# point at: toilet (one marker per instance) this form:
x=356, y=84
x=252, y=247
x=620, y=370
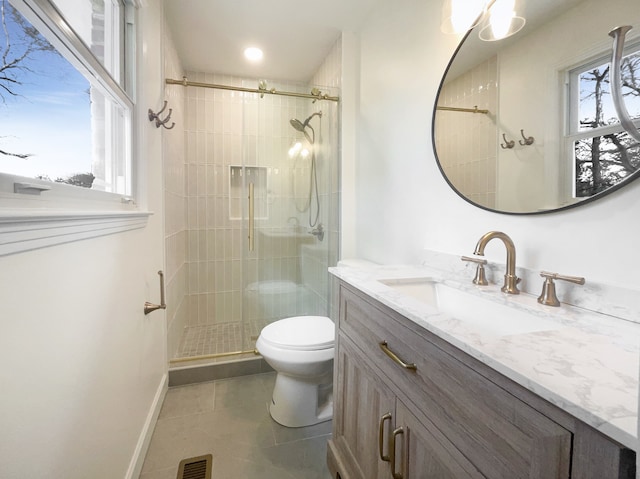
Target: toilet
x=300, y=349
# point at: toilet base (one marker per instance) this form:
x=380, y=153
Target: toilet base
x=299, y=402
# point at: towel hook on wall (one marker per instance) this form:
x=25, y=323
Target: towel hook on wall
x=160, y=122
x=507, y=144
x=527, y=140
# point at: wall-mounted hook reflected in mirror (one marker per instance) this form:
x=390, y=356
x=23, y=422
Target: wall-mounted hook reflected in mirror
x=527, y=140
x=507, y=144
x=160, y=122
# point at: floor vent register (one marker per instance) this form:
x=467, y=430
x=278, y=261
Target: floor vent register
x=195, y=467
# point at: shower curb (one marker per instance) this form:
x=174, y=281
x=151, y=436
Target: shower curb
x=221, y=370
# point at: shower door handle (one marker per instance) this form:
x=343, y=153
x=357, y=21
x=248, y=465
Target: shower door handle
x=251, y=217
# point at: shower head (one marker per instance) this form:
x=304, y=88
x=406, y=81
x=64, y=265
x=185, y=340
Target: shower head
x=301, y=127
x=298, y=125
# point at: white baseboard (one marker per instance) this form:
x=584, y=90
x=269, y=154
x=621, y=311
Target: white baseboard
x=135, y=466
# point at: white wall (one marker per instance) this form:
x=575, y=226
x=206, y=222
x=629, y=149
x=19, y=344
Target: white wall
x=403, y=203
x=83, y=368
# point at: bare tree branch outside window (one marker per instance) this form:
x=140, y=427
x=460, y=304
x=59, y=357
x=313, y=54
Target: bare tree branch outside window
x=26, y=55
x=602, y=161
x=20, y=41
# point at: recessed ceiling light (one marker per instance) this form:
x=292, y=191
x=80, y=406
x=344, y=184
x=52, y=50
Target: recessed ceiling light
x=253, y=54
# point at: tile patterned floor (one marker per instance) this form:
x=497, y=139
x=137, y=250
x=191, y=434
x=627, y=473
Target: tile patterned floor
x=230, y=420
x=219, y=338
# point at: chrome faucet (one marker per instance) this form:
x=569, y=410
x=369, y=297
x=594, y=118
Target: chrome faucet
x=510, y=279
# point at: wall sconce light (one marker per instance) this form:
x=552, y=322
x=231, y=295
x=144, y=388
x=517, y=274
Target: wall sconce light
x=498, y=17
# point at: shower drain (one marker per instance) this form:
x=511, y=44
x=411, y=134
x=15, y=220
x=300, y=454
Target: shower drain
x=195, y=467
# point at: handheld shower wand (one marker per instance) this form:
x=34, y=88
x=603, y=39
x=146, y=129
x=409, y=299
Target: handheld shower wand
x=313, y=180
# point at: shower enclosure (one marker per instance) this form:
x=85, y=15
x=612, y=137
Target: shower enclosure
x=261, y=217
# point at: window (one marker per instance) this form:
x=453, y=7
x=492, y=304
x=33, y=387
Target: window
x=603, y=153
x=66, y=85
x=65, y=109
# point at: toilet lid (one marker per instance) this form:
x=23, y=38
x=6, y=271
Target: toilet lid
x=301, y=333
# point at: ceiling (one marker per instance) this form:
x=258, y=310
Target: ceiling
x=295, y=35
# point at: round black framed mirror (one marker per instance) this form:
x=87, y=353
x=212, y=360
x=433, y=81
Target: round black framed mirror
x=527, y=125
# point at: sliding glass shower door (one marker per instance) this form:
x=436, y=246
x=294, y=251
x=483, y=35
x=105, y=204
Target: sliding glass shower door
x=261, y=214
x=288, y=162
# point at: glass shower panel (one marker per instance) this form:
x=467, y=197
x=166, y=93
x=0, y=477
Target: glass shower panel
x=286, y=273
x=287, y=149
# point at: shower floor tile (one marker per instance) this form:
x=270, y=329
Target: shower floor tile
x=219, y=338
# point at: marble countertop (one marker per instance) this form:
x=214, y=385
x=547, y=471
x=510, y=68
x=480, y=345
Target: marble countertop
x=588, y=366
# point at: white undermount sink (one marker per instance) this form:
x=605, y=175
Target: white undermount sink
x=485, y=315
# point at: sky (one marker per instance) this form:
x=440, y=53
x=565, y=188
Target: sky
x=50, y=118
x=587, y=106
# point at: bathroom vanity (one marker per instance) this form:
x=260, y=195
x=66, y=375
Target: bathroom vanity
x=418, y=394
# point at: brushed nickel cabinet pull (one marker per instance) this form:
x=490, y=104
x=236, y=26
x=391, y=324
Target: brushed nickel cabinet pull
x=150, y=307
x=383, y=419
x=385, y=348
x=396, y=433
x=251, y=217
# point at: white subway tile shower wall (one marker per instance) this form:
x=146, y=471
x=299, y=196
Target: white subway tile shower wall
x=459, y=133
x=329, y=79
x=225, y=129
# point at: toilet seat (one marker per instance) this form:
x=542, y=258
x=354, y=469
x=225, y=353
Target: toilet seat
x=300, y=333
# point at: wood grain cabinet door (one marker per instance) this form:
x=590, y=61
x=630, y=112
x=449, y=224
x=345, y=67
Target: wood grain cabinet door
x=363, y=420
x=422, y=452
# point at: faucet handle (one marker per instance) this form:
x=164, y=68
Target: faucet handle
x=548, y=295
x=480, y=277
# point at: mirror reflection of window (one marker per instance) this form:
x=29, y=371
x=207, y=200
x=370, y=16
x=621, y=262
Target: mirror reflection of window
x=603, y=153
x=532, y=85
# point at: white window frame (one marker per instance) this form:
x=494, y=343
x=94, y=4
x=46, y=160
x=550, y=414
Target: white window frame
x=572, y=130
x=35, y=213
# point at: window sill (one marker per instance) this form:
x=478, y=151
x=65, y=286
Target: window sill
x=26, y=231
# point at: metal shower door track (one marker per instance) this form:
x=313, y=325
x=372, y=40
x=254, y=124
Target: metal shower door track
x=262, y=90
